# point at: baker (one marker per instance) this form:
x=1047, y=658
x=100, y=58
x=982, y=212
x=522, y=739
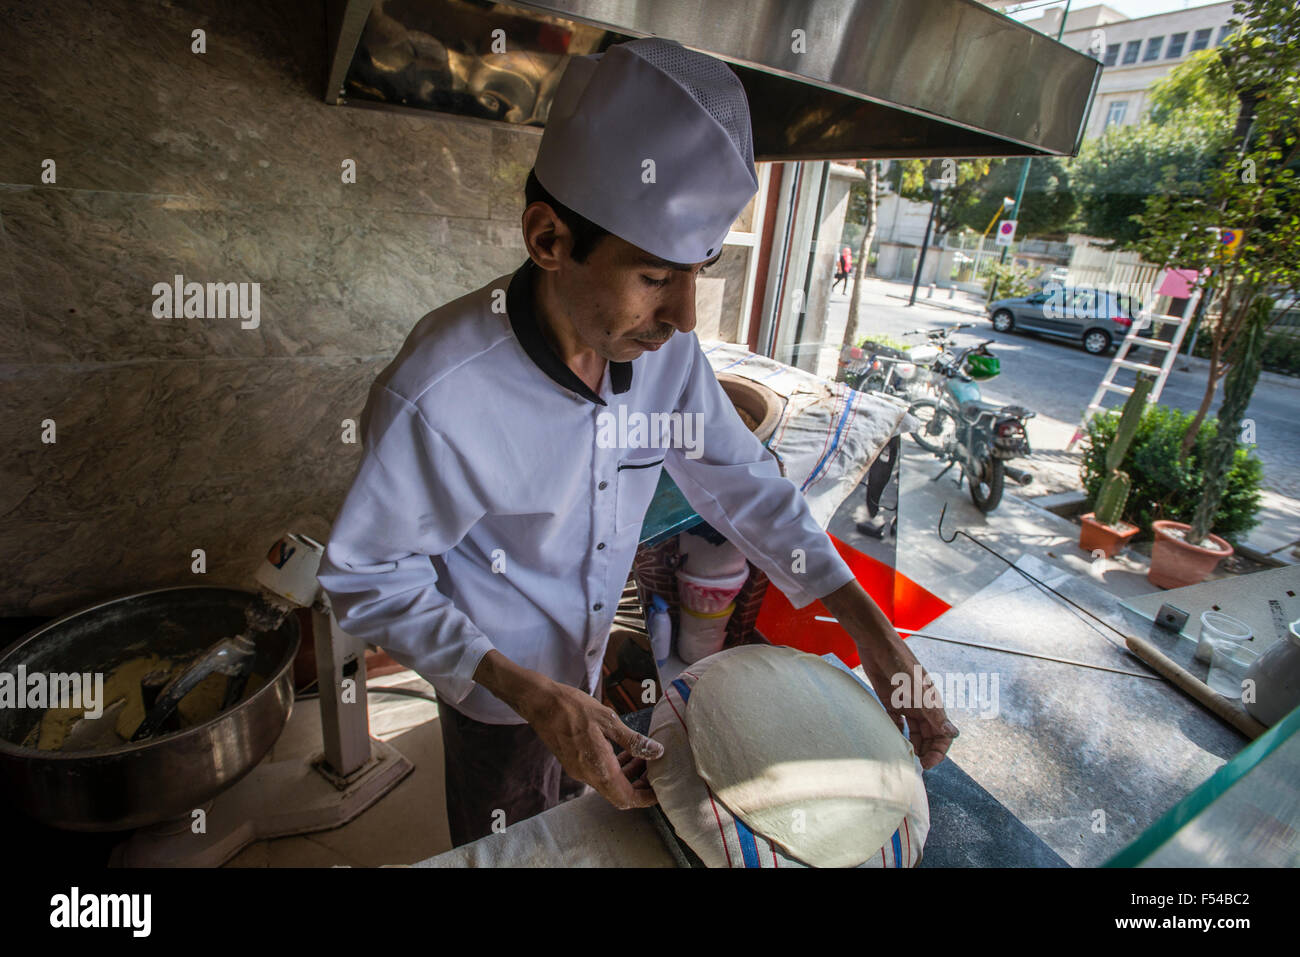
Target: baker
x=491, y=526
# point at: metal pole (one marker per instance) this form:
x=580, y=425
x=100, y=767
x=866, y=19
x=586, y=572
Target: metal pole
x=925, y=244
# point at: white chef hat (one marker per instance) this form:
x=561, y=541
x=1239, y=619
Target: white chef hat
x=651, y=99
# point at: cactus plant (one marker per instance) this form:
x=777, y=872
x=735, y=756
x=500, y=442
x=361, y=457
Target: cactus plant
x=1113, y=494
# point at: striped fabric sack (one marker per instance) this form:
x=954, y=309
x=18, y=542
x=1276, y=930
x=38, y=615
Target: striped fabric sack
x=719, y=838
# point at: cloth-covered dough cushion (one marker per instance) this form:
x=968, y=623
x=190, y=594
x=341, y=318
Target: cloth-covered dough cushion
x=721, y=836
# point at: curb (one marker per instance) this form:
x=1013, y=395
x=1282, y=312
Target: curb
x=952, y=307
x=1272, y=378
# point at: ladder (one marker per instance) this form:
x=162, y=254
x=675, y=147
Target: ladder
x=1121, y=361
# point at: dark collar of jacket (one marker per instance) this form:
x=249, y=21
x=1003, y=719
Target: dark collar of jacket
x=523, y=319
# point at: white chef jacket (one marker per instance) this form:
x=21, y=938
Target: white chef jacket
x=486, y=512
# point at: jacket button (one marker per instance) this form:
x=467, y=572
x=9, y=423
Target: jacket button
x=599, y=546
x=602, y=486
x=598, y=606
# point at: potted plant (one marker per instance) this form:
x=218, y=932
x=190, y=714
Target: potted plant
x=1235, y=222
x=1184, y=554
x=1105, y=530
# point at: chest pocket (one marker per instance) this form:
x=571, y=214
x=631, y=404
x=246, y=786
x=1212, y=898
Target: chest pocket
x=637, y=479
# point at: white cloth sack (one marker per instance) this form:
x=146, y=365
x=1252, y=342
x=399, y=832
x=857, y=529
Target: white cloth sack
x=706, y=825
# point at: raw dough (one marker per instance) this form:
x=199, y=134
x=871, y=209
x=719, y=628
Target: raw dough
x=705, y=824
x=68, y=729
x=801, y=753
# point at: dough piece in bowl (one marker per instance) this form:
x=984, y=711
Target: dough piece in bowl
x=798, y=750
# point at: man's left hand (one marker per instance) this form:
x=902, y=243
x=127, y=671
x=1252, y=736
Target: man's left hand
x=887, y=660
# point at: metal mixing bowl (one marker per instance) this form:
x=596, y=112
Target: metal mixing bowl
x=135, y=785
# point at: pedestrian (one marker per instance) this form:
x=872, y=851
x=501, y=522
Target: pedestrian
x=487, y=537
x=843, y=269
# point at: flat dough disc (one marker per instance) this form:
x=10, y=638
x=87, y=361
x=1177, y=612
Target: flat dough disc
x=799, y=751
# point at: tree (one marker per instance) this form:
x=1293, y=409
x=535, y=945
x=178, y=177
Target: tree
x=1119, y=171
x=1253, y=188
x=962, y=192
x=1183, y=137
x=1048, y=205
x=1195, y=93
x=864, y=203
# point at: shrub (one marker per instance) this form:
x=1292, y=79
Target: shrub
x=1163, y=486
x=1013, y=281
x=1281, y=352
x=885, y=345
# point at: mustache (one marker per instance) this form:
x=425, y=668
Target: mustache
x=663, y=337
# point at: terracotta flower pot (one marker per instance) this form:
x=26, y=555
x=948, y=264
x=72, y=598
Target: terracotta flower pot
x=1095, y=535
x=1174, y=563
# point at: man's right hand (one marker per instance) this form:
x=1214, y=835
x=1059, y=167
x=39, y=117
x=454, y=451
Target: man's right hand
x=577, y=729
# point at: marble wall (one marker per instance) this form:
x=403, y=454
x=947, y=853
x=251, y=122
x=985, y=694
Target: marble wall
x=186, y=433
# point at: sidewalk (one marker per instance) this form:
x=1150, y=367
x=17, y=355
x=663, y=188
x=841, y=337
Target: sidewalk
x=1056, y=470
x=952, y=298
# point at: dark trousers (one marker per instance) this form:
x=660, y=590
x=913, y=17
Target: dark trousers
x=497, y=773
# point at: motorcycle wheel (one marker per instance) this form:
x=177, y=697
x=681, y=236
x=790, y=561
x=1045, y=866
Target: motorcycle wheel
x=937, y=426
x=986, y=489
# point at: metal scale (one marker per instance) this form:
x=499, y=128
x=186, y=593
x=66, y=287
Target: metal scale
x=290, y=793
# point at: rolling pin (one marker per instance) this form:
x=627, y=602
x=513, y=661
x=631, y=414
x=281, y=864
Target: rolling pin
x=1194, y=687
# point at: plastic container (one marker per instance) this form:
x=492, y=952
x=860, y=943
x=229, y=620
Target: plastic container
x=660, y=625
x=702, y=634
x=706, y=595
x=1276, y=674
x=1217, y=628
x=1232, y=659
x=701, y=557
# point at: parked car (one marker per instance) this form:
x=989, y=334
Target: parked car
x=1095, y=318
x=1059, y=274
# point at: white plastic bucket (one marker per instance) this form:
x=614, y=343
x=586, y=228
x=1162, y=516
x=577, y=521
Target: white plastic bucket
x=706, y=595
x=700, y=635
x=701, y=557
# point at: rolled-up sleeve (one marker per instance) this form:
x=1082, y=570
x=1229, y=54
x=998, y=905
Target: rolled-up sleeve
x=736, y=485
x=412, y=499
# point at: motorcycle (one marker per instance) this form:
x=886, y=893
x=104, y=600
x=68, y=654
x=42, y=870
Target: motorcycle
x=962, y=428
x=903, y=374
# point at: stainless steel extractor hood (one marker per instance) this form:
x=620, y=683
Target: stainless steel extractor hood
x=826, y=79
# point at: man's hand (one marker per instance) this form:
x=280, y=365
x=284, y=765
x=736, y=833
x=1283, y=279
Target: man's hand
x=884, y=656
x=929, y=730
x=577, y=729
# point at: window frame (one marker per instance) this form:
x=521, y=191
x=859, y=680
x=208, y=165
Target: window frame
x=1111, y=56
x=1155, y=46
x=1177, y=42
x=1110, y=114
x=1196, y=39
x=1134, y=47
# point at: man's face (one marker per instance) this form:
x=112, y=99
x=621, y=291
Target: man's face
x=623, y=301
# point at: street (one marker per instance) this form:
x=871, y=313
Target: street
x=1056, y=378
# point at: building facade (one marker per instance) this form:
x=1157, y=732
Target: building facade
x=1135, y=53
